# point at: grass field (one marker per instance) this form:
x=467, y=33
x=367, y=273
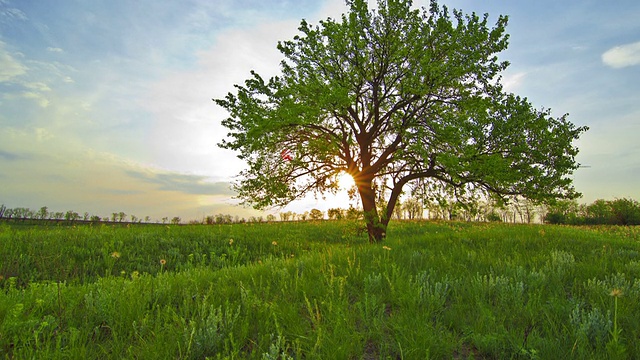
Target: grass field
x=319, y=291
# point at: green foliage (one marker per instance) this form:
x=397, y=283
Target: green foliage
x=493, y=217
x=625, y=211
x=393, y=96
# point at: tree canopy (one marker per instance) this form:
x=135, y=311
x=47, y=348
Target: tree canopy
x=395, y=97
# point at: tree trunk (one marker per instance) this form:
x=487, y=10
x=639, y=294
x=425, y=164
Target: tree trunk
x=376, y=229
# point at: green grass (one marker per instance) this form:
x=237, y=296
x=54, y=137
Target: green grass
x=319, y=291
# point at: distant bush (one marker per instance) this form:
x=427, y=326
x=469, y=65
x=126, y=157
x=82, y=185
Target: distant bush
x=601, y=212
x=625, y=212
x=494, y=217
x=316, y=214
x=555, y=218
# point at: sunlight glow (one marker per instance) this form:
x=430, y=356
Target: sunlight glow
x=345, y=181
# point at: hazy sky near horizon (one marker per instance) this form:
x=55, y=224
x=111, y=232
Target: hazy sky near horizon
x=105, y=106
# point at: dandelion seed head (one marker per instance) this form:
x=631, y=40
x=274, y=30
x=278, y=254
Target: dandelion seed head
x=616, y=293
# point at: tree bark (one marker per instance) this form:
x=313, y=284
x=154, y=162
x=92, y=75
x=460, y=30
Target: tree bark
x=375, y=228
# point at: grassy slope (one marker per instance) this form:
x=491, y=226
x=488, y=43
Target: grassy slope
x=316, y=290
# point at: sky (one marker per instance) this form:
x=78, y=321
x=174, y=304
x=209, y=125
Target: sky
x=105, y=106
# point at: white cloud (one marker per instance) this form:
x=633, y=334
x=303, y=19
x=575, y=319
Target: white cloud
x=9, y=66
x=37, y=86
x=186, y=122
x=41, y=169
x=37, y=97
x=622, y=56
x=43, y=134
x=512, y=82
x=187, y=126
x=55, y=49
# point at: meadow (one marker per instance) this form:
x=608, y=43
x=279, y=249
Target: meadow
x=319, y=290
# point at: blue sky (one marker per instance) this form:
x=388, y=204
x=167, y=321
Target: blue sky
x=105, y=106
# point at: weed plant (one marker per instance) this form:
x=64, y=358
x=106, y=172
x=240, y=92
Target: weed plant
x=318, y=290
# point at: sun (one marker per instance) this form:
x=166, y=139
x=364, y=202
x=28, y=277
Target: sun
x=345, y=181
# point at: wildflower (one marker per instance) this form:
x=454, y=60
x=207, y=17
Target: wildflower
x=274, y=243
x=286, y=155
x=386, y=248
x=616, y=293
x=135, y=275
x=163, y=262
x=115, y=254
x=230, y=241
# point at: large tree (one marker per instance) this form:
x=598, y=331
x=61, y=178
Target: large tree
x=395, y=96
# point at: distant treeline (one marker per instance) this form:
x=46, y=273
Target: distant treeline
x=601, y=212
x=23, y=214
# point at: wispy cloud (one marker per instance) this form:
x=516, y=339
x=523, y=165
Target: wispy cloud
x=38, y=97
x=183, y=183
x=622, y=56
x=9, y=13
x=511, y=82
x=9, y=66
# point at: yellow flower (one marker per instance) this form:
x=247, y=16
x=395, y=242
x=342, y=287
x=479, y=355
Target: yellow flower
x=115, y=254
x=274, y=243
x=163, y=262
x=386, y=248
x=230, y=241
x=616, y=292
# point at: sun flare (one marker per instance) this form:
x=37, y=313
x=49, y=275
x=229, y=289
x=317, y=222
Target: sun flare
x=345, y=181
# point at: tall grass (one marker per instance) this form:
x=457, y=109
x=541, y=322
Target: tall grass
x=319, y=290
